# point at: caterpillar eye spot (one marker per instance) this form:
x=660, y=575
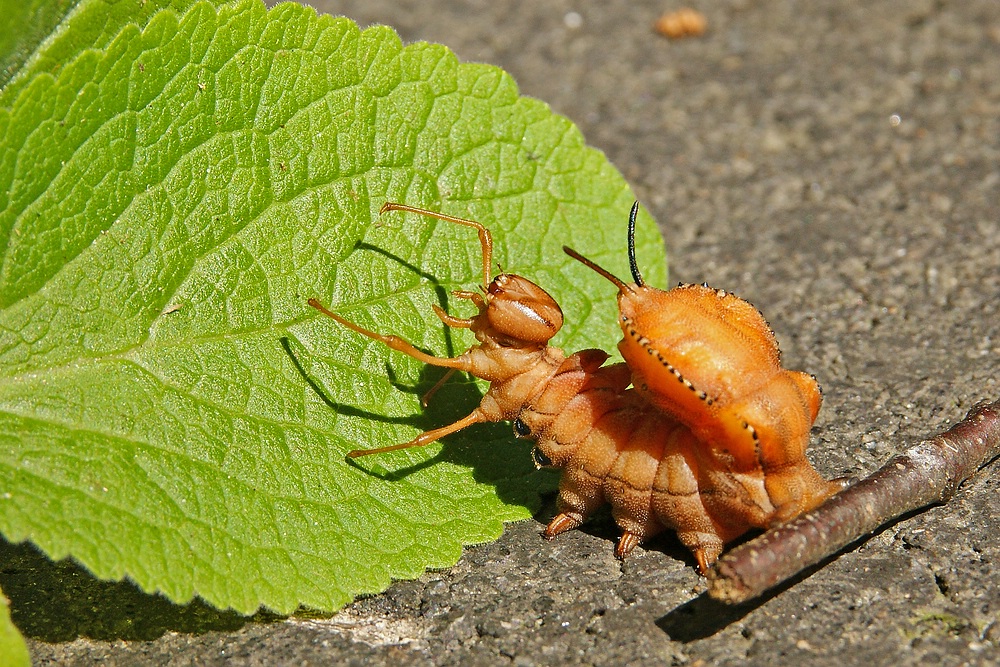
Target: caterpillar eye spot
x=648, y=425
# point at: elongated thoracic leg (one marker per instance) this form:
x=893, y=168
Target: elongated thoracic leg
x=425, y=400
x=454, y=323
x=397, y=343
x=485, y=238
x=425, y=438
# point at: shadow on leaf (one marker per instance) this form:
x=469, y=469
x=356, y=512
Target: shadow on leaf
x=489, y=450
x=493, y=454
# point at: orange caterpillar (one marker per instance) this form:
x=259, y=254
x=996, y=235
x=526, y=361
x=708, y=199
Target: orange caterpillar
x=708, y=441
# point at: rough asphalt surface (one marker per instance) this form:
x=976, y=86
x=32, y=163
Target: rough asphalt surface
x=836, y=163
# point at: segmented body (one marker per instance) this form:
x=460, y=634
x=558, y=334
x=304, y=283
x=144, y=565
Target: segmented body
x=700, y=430
x=725, y=382
x=661, y=469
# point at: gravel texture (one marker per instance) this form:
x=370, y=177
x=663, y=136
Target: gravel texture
x=837, y=164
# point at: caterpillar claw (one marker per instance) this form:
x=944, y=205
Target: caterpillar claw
x=561, y=523
x=626, y=544
x=702, y=559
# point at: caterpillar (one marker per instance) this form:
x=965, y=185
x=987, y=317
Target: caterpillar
x=700, y=430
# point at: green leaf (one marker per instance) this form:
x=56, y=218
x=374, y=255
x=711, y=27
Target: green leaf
x=27, y=24
x=13, y=652
x=175, y=183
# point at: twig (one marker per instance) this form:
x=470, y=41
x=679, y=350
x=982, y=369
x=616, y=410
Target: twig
x=928, y=473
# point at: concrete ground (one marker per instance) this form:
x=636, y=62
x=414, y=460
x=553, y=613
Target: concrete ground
x=836, y=163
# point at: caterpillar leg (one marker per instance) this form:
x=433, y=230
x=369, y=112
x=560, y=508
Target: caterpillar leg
x=678, y=500
x=579, y=496
x=582, y=486
x=568, y=521
x=427, y=437
x=400, y=345
x=394, y=342
x=425, y=400
x=626, y=543
x=706, y=548
x=561, y=523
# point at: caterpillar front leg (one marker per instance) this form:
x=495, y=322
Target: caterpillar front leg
x=425, y=438
x=395, y=342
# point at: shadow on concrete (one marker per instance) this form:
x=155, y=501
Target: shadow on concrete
x=57, y=601
x=705, y=616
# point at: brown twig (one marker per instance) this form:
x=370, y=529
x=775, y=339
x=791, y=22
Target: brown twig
x=928, y=473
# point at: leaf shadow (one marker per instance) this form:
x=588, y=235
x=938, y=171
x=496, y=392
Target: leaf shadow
x=58, y=601
x=439, y=290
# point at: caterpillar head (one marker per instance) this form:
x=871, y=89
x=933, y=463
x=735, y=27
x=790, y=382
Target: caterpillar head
x=518, y=310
